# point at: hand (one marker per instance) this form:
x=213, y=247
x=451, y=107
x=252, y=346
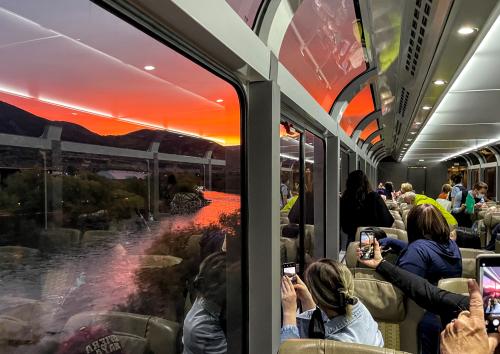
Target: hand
x=467, y=334
x=377, y=256
x=289, y=301
x=304, y=295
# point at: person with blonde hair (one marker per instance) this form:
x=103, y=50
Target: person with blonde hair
x=405, y=188
x=331, y=311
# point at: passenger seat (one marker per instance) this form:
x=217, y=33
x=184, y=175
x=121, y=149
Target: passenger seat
x=469, y=256
x=59, y=238
x=321, y=346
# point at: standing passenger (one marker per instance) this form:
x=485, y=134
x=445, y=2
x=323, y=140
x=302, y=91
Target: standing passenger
x=361, y=206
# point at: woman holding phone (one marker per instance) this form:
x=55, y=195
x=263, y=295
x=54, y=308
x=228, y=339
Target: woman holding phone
x=331, y=311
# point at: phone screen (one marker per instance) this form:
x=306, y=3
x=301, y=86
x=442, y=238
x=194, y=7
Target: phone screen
x=289, y=270
x=366, y=245
x=489, y=282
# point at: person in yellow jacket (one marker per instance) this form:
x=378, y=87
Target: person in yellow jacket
x=419, y=199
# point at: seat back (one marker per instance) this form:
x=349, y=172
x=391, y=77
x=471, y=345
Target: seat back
x=288, y=249
x=385, y=302
x=399, y=225
x=284, y=220
x=454, y=285
x=469, y=256
x=391, y=232
x=491, y=219
x=321, y=346
x=395, y=214
x=59, y=238
x=95, y=237
x=137, y=333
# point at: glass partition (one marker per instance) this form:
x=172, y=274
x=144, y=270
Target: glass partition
x=376, y=139
x=360, y=106
x=119, y=174
x=369, y=130
x=344, y=169
x=474, y=176
x=488, y=155
x=490, y=178
x=322, y=48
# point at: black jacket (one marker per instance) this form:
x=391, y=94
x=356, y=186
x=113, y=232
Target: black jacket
x=372, y=212
x=441, y=302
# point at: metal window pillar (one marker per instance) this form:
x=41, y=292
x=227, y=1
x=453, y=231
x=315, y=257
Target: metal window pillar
x=496, y=152
x=332, y=197
x=264, y=268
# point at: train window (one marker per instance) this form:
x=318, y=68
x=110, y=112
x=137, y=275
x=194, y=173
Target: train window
x=322, y=48
x=369, y=130
x=490, y=178
x=360, y=106
x=473, y=158
x=488, y=155
x=119, y=174
x=246, y=9
x=302, y=229
x=376, y=139
x=474, y=176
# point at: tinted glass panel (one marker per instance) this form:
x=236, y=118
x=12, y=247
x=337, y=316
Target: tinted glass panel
x=490, y=177
x=376, y=139
x=360, y=106
x=473, y=158
x=369, y=130
x=322, y=48
x=344, y=169
x=246, y=9
x=105, y=219
x=475, y=176
x=488, y=155
x=314, y=239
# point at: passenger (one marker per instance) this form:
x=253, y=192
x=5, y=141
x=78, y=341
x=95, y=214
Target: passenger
x=389, y=191
x=465, y=203
x=381, y=189
x=291, y=202
x=204, y=325
x=360, y=206
x=405, y=188
x=285, y=193
x=457, y=187
x=419, y=199
x=445, y=192
x=430, y=254
x=331, y=310
x=449, y=306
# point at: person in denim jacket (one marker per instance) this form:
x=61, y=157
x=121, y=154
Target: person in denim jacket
x=330, y=309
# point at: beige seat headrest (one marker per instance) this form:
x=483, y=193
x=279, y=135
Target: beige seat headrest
x=384, y=301
x=455, y=285
x=321, y=346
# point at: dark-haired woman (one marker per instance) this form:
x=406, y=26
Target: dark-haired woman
x=431, y=254
x=361, y=206
x=331, y=310
x=204, y=326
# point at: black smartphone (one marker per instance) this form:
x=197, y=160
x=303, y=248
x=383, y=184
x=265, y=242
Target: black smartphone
x=290, y=270
x=488, y=278
x=366, y=245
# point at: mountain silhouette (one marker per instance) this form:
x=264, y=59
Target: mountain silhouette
x=14, y=120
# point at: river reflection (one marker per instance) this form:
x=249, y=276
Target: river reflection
x=106, y=276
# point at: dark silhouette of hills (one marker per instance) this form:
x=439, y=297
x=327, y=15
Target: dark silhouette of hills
x=14, y=120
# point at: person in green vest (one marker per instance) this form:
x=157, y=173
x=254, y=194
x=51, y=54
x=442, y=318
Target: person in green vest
x=419, y=199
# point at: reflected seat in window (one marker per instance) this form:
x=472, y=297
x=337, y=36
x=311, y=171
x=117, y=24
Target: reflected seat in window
x=97, y=237
x=136, y=333
x=59, y=239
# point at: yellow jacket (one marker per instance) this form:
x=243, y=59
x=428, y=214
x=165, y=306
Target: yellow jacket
x=423, y=199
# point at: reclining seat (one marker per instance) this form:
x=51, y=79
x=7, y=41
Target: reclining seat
x=386, y=304
x=59, y=239
x=391, y=232
x=320, y=346
x=469, y=256
x=491, y=219
x=136, y=333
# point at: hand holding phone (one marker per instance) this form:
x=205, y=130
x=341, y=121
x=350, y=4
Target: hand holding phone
x=488, y=278
x=366, y=245
x=290, y=270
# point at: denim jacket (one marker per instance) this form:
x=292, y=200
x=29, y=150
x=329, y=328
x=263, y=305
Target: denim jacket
x=360, y=328
x=202, y=331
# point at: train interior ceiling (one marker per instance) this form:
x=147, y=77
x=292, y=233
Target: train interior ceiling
x=160, y=161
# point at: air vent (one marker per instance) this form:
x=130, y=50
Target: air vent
x=403, y=101
x=417, y=33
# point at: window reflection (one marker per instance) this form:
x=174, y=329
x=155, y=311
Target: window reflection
x=490, y=178
x=323, y=48
x=246, y=9
x=359, y=107
x=117, y=179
